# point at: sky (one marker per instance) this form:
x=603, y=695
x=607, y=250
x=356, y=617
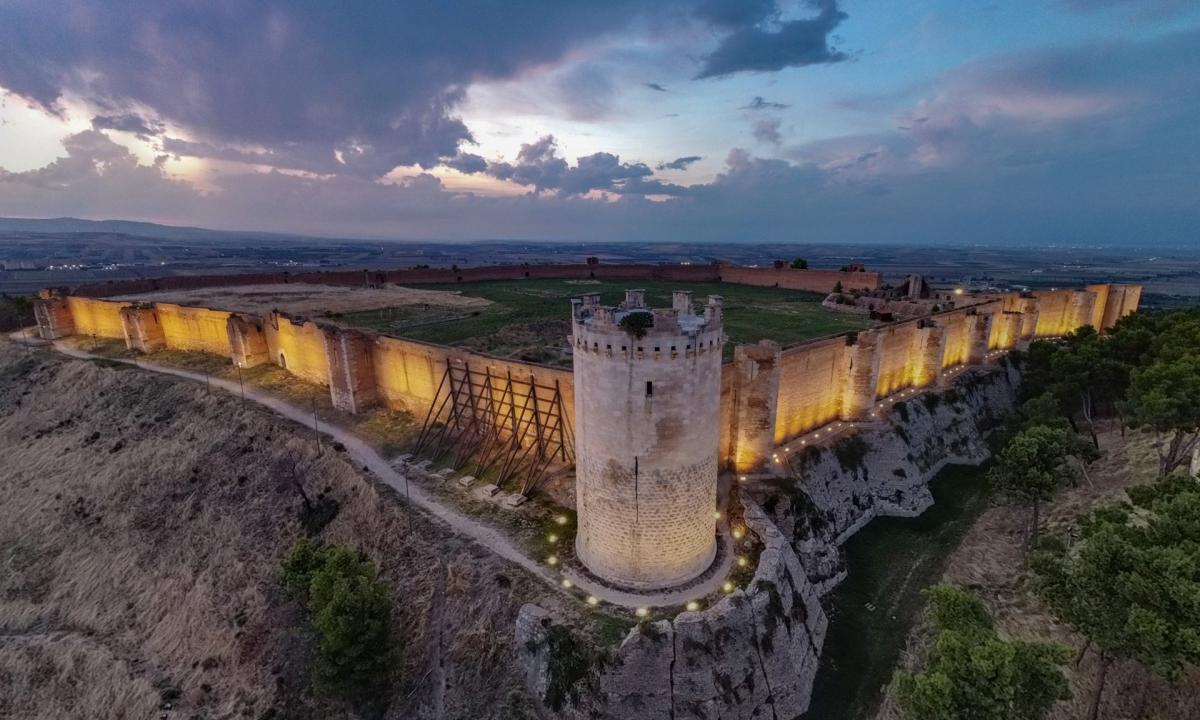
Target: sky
x=1026, y=122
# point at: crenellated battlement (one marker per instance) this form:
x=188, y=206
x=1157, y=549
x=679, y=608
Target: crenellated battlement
x=670, y=333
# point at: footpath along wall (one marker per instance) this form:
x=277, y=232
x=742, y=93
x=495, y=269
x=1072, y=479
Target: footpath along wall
x=769, y=394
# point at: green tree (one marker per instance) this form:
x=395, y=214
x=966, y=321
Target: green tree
x=1034, y=464
x=971, y=672
x=1131, y=584
x=1085, y=377
x=1164, y=398
x=799, y=264
x=351, y=609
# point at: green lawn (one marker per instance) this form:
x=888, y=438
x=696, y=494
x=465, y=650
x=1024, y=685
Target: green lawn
x=530, y=318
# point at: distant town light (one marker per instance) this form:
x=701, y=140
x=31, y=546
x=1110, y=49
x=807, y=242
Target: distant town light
x=641, y=612
x=593, y=600
x=552, y=560
x=692, y=606
x=567, y=583
x=552, y=538
x=727, y=587
x=742, y=561
x=561, y=519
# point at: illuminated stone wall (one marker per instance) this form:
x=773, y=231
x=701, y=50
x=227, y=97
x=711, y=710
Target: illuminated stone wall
x=811, y=379
x=897, y=358
x=757, y=379
x=646, y=441
x=143, y=331
x=100, y=318
x=196, y=329
x=247, y=340
x=298, y=346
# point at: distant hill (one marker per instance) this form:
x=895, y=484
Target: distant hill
x=132, y=228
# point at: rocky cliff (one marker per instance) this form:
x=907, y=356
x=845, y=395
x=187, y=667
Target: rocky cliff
x=884, y=468
x=755, y=653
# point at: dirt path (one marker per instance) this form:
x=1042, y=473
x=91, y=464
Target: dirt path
x=365, y=456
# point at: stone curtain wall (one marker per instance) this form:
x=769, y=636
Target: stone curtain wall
x=822, y=281
x=197, y=329
x=99, y=318
x=814, y=383
x=811, y=386
x=298, y=346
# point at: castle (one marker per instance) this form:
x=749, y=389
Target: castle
x=655, y=412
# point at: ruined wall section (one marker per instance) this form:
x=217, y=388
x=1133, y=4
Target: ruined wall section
x=53, y=316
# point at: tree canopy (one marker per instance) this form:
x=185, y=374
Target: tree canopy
x=1131, y=584
x=1034, y=465
x=971, y=672
x=351, y=609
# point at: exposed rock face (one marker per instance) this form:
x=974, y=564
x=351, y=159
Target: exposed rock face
x=884, y=470
x=754, y=654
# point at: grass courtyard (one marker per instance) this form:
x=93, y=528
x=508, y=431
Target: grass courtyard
x=530, y=319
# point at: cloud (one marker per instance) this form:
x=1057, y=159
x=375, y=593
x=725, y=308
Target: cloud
x=304, y=80
x=467, y=163
x=735, y=13
x=539, y=165
x=792, y=43
x=758, y=103
x=1092, y=144
x=128, y=122
x=656, y=87
x=679, y=163
x=585, y=92
x=768, y=131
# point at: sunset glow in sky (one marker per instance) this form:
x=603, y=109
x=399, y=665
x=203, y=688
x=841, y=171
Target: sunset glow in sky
x=1024, y=122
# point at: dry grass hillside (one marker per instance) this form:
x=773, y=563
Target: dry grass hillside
x=991, y=562
x=141, y=529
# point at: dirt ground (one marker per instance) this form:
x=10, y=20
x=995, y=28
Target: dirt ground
x=141, y=532
x=991, y=562
x=312, y=300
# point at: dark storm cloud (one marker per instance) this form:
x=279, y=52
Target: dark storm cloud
x=679, y=163
x=759, y=103
x=301, y=79
x=128, y=122
x=766, y=48
x=469, y=163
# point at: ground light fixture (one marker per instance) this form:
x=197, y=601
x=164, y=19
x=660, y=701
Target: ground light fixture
x=593, y=600
x=692, y=606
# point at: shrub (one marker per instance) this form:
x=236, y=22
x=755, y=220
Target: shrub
x=851, y=451
x=350, y=608
x=637, y=323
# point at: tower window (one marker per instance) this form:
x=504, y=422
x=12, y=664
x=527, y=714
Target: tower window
x=649, y=388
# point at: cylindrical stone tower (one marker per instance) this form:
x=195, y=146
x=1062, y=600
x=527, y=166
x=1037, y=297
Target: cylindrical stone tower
x=647, y=407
